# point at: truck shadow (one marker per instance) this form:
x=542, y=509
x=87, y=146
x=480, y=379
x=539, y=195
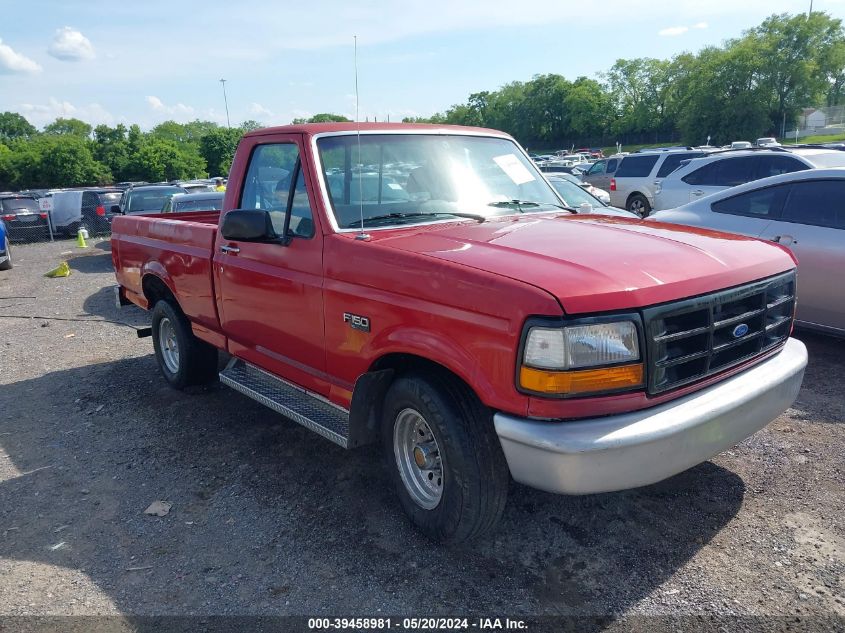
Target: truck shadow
x=268, y=518
x=91, y=262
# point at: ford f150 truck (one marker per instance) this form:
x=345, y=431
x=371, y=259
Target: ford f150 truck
x=424, y=287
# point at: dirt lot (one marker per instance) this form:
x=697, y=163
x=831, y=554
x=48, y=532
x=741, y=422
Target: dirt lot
x=268, y=518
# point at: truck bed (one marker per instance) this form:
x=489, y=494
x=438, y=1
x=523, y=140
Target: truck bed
x=175, y=247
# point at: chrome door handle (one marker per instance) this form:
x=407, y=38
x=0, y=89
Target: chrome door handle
x=230, y=249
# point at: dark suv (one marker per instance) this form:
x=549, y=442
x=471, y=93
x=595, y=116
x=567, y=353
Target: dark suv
x=25, y=221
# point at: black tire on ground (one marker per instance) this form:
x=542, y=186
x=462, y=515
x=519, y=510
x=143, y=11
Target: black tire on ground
x=639, y=204
x=474, y=471
x=195, y=361
x=7, y=265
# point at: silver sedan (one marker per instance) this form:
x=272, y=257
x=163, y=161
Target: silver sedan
x=802, y=211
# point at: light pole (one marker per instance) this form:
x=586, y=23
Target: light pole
x=225, y=101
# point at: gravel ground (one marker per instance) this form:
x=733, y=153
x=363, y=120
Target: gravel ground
x=268, y=518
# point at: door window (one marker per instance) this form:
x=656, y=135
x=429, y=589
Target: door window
x=761, y=203
x=268, y=186
x=774, y=165
x=673, y=161
x=727, y=172
x=817, y=202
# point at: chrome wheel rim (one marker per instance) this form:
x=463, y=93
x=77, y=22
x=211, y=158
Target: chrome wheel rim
x=169, y=345
x=418, y=458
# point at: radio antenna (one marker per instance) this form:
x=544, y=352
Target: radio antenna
x=359, y=164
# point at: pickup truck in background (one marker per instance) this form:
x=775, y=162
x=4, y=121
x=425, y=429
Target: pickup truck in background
x=424, y=287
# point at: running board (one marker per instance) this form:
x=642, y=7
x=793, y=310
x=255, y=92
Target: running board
x=307, y=409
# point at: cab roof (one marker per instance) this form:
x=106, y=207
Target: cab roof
x=324, y=128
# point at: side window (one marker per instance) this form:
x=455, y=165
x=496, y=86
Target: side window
x=817, y=202
x=597, y=168
x=268, y=186
x=774, y=165
x=673, y=161
x=761, y=203
x=611, y=165
x=636, y=166
x=735, y=171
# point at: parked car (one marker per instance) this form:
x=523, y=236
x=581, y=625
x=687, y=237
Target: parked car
x=574, y=194
x=803, y=211
x=551, y=167
x=595, y=192
x=145, y=199
x=633, y=184
x=720, y=170
x=195, y=186
x=740, y=145
x=472, y=328
x=5, y=248
x=600, y=172
x=25, y=221
x=767, y=141
x=201, y=201
x=90, y=209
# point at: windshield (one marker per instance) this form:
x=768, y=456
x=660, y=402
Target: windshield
x=574, y=195
x=149, y=200
x=399, y=178
x=20, y=204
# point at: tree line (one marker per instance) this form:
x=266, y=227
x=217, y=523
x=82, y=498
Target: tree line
x=751, y=86
x=748, y=87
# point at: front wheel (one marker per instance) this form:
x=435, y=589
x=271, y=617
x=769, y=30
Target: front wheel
x=443, y=457
x=184, y=359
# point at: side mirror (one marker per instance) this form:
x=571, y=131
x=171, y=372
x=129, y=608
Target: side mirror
x=248, y=225
x=115, y=208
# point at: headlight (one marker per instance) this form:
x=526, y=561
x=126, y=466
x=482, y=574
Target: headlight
x=579, y=359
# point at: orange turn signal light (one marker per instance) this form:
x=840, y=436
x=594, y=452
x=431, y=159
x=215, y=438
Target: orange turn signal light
x=582, y=380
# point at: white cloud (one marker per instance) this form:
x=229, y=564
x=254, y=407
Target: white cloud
x=40, y=114
x=700, y=25
x=70, y=45
x=256, y=109
x=673, y=31
x=13, y=62
x=179, y=110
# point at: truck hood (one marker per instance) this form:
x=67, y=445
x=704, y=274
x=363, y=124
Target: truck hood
x=594, y=263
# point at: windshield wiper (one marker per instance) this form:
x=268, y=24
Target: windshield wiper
x=519, y=204
x=401, y=215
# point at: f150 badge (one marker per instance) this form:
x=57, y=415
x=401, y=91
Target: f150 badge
x=357, y=322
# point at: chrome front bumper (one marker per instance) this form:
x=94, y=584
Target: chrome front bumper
x=642, y=447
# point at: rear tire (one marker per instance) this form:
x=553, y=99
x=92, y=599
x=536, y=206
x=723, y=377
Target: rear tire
x=444, y=457
x=639, y=204
x=183, y=359
x=7, y=265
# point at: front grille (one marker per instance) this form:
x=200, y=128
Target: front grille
x=691, y=339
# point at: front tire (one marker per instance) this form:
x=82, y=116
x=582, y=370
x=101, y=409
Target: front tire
x=183, y=359
x=444, y=458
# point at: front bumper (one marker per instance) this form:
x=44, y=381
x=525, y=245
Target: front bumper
x=642, y=447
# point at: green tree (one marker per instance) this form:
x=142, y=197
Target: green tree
x=68, y=127
x=251, y=125
x=14, y=126
x=164, y=160
x=323, y=117
x=111, y=148
x=218, y=149
x=56, y=161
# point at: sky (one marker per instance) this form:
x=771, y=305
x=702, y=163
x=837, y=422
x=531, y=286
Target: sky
x=147, y=62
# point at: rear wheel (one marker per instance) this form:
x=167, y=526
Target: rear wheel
x=443, y=457
x=7, y=265
x=184, y=359
x=639, y=204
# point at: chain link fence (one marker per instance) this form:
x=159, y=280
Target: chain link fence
x=31, y=218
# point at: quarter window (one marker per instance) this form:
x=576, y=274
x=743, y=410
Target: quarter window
x=636, y=166
x=673, y=161
x=611, y=165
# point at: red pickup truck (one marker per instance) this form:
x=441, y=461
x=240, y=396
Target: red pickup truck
x=426, y=288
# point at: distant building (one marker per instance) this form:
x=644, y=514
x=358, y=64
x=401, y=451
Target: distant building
x=812, y=118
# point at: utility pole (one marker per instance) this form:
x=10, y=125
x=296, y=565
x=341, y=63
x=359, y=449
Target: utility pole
x=225, y=101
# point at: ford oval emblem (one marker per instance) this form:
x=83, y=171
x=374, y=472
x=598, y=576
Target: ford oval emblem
x=740, y=330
